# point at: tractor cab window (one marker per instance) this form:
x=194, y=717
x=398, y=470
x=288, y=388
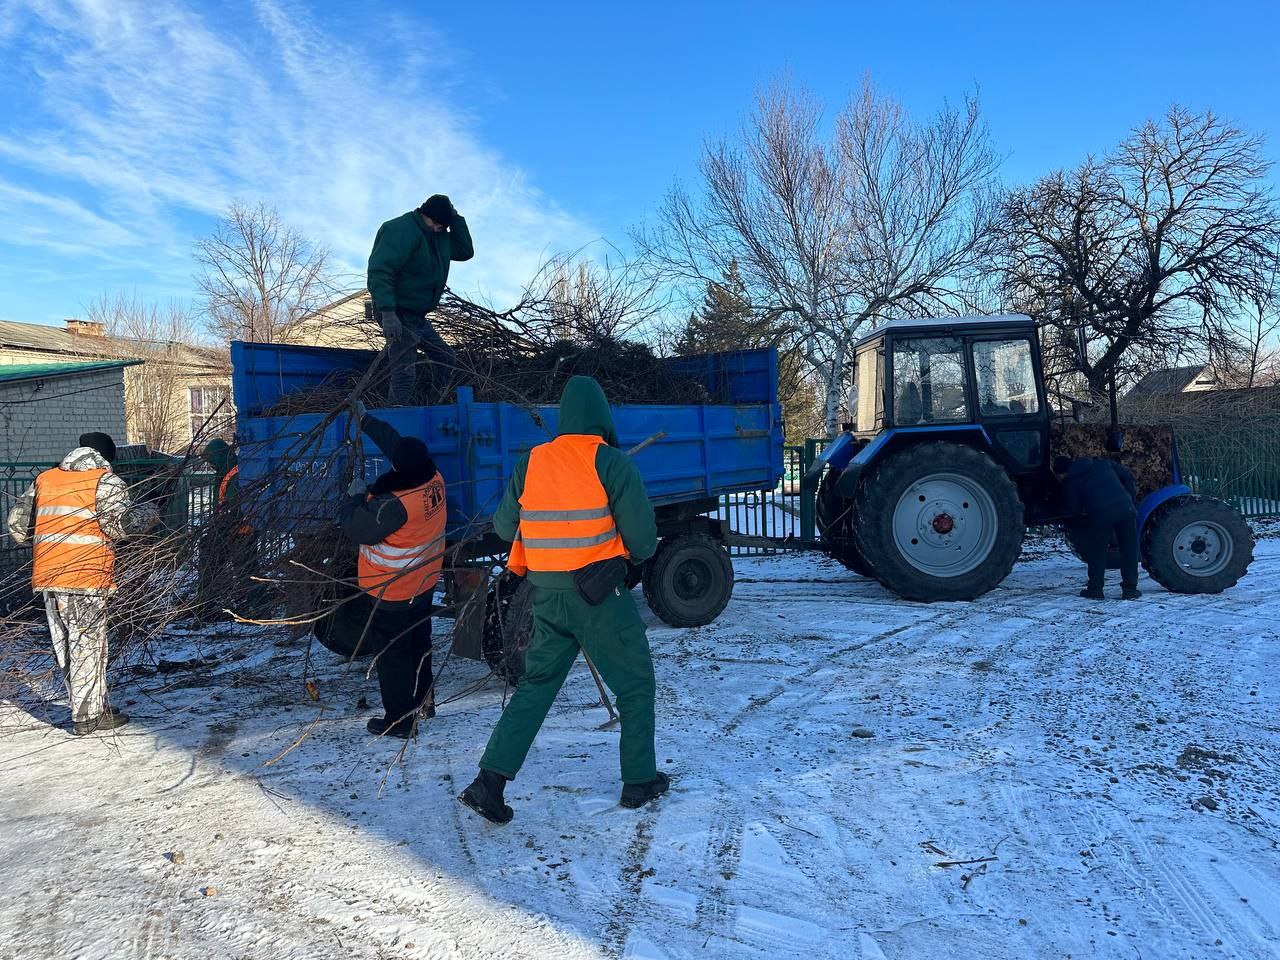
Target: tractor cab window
x=928, y=381
x=1006, y=378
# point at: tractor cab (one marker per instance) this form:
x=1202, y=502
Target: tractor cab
x=979, y=373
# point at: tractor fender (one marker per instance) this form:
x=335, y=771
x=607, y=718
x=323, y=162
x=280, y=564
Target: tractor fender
x=1158, y=498
x=837, y=454
x=847, y=485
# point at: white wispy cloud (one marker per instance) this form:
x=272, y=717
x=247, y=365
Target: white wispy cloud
x=149, y=113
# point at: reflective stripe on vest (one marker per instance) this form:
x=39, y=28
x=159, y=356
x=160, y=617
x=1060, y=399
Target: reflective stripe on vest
x=565, y=521
x=226, y=482
x=407, y=563
x=69, y=549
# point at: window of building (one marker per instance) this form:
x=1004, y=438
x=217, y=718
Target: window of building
x=1006, y=378
x=212, y=414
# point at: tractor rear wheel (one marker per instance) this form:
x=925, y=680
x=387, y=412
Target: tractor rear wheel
x=939, y=521
x=1196, y=545
x=508, y=626
x=689, y=580
x=834, y=515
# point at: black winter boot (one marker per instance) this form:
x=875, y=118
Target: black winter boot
x=104, y=721
x=1093, y=593
x=382, y=727
x=484, y=796
x=638, y=794
x=1130, y=593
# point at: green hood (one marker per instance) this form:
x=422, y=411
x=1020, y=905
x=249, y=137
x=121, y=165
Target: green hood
x=219, y=455
x=584, y=410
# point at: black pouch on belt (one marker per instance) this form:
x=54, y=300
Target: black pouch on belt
x=597, y=580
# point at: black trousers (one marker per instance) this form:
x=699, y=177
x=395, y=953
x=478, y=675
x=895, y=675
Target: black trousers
x=1094, y=540
x=399, y=635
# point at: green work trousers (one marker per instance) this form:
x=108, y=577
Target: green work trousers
x=612, y=634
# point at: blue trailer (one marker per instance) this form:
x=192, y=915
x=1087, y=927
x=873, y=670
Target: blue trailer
x=694, y=454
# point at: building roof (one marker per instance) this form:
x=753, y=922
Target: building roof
x=1159, y=382
x=11, y=373
x=38, y=336
x=934, y=325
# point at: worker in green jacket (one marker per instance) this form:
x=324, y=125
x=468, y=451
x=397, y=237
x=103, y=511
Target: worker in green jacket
x=576, y=511
x=228, y=547
x=408, y=272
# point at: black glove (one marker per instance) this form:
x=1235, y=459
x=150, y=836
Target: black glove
x=392, y=328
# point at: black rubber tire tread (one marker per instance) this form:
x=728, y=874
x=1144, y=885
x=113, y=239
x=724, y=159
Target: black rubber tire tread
x=834, y=515
x=878, y=496
x=508, y=626
x=659, y=574
x=1169, y=518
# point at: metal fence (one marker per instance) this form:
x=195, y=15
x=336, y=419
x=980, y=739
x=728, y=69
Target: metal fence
x=784, y=513
x=1246, y=474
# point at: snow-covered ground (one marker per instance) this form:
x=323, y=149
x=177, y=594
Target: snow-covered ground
x=1030, y=775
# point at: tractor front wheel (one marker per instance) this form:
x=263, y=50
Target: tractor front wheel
x=1196, y=545
x=939, y=521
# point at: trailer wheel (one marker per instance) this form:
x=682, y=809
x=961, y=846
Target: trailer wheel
x=689, y=580
x=508, y=626
x=939, y=521
x=1196, y=545
x=834, y=515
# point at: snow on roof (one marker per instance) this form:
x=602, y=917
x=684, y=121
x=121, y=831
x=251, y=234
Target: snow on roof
x=934, y=324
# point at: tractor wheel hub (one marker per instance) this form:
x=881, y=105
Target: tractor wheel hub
x=943, y=523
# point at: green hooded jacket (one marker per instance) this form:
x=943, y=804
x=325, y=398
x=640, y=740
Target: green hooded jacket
x=409, y=263
x=584, y=410
x=220, y=455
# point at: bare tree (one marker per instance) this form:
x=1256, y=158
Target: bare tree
x=1150, y=253
x=259, y=276
x=156, y=403
x=886, y=218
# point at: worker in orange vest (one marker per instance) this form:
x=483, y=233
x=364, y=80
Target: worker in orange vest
x=577, y=513
x=399, y=523
x=71, y=515
x=228, y=548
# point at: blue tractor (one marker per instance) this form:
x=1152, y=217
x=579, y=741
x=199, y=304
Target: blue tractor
x=947, y=461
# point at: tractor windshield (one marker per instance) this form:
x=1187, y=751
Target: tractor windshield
x=928, y=381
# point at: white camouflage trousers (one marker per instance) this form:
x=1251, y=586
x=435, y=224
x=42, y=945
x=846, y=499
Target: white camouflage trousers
x=78, y=623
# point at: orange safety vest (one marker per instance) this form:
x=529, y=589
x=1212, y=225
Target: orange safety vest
x=408, y=562
x=70, y=549
x=565, y=521
x=232, y=474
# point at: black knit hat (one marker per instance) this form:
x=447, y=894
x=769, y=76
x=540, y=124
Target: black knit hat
x=100, y=442
x=438, y=208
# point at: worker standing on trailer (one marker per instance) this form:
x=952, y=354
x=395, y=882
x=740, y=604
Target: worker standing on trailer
x=1102, y=495
x=574, y=509
x=72, y=515
x=408, y=272
x=399, y=523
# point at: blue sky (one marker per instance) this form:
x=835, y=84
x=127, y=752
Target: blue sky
x=126, y=126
